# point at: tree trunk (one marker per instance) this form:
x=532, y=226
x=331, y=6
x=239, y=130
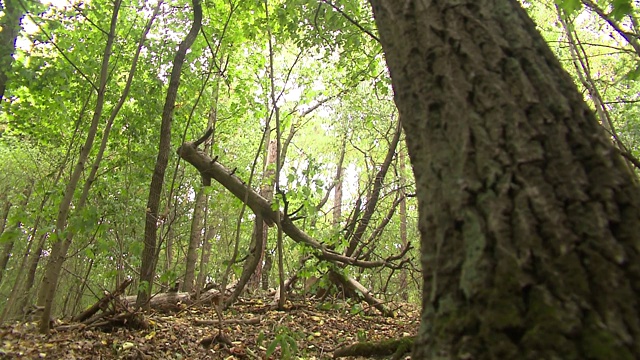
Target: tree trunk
x=204, y=258
x=34, y=260
x=147, y=268
x=337, y=195
x=6, y=251
x=529, y=218
x=404, y=294
x=201, y=204
x=266, y=191
x=10, y=24
x=61, y=242
x=195, y=239
x=372, y=199
x=6, y=206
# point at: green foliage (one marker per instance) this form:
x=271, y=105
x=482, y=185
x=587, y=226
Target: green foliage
x=286, y=340
x=633, y=74
x=621, y=8
x=330, y=81
x=570, y=6
x=10, y=235
x=361, y=335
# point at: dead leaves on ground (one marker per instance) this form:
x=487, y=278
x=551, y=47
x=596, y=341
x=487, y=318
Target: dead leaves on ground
x=252, y=329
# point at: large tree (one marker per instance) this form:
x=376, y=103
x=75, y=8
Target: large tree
x=529, y=218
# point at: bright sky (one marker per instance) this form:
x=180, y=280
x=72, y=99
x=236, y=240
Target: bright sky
x=30, y=28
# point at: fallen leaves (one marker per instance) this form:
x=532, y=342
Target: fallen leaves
x=250, y=330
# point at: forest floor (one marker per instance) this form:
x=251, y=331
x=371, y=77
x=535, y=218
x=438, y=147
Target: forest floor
x=306, y=329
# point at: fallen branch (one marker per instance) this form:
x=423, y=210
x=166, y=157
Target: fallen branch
x=212, y=169
x=103, y=302
x=128, y=319
x=253, y=321
x=164, y=299
x=353, y=284
x=395, y=348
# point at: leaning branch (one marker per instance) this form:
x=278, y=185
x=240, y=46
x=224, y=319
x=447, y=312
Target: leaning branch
x=211, y=169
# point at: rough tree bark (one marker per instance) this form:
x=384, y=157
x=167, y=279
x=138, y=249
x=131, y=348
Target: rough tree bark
x=148, y=266
x=529, y=218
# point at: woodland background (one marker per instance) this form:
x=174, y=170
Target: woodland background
x=299, y=100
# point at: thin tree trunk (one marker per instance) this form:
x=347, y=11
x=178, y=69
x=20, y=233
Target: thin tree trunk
x=30, y=259
x=77, y=304
x=20, y=290
x=201, y=203
x=170, y=264
x=195, y=239
x=266, y=191
x=338, y=181
x=529, y=218
x=266, y=270
x=10, y=24
x=6, y=207
x=372, y=200
x=204, y=259
x=61, y=244
x=34, y=260
x=404, y=294
x=6, y=251
x=149, y=256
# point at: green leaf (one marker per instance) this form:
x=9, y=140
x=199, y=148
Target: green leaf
x=621, y=8
x=634, y=74
x=9, y=235
x=569, y=6
x=272, y=347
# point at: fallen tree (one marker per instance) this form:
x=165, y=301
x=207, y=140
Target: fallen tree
x=114, y=313
x=164, y=301
x=212, y=169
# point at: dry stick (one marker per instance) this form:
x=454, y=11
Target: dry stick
x=251, y=321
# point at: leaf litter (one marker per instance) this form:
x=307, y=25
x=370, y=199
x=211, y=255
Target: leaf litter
x=253, y=329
